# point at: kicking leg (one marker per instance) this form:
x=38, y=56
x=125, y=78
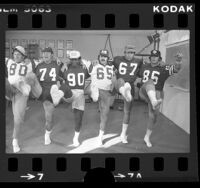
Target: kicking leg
x=36, y=88
x=151, y=92
x=58, y=93
x=10, y=90
x=124, y=89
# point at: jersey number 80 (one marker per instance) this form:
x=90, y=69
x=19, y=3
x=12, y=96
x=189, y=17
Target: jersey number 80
x=22, y=70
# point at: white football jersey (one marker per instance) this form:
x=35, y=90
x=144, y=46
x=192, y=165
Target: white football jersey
x=101, y=76
x=17, y=71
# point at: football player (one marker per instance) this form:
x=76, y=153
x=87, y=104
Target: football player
x=19, y=74
x=75, y=75
x=102, y=79
x=49, y=73
x=127, y=68
x=154, y=75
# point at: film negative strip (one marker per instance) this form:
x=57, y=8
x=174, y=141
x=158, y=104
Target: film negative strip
x=98, y=92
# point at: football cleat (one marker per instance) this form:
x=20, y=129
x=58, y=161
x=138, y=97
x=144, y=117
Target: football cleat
x=75, y=142
x=123, y=139
x=56, y=94
x=127, y=92
x=147, y=141
x=99, y=141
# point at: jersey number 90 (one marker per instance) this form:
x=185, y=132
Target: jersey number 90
x=71, y=77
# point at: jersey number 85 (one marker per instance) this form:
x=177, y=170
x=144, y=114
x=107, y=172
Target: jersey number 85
x=154, y=76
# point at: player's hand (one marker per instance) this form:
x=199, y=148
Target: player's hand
x=59, y=62
x=27, y=61
x=58, y=84
x=95, y=62
x=67, y=61
x=179, y=57
x=83, y=65
x=162, y=63
x=64, y=67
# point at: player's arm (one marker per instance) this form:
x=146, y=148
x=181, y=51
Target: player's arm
x=175, y=68
x=114, y=62
x=61, y=73
x=6, y=68
x=34, y=64
x=86, y=63
x=87, y=75
x=178, y=63
x=140, y=70
x=140, y=65
x=91, y=67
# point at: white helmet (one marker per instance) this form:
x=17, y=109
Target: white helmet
x=74, y=54
x=20, y=49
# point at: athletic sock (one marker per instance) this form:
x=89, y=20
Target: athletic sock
x=15, y=142
x=101, y=133
x=124, y=129
x=76, y=135
x=48, y=132
x=147, y=138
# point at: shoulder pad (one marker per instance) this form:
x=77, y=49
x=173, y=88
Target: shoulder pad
x=6, y=60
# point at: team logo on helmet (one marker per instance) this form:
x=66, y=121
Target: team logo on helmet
x=155, y=53
x=104, y=53
x=74, y=54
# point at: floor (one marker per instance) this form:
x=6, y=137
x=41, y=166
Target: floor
x=167, y=137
